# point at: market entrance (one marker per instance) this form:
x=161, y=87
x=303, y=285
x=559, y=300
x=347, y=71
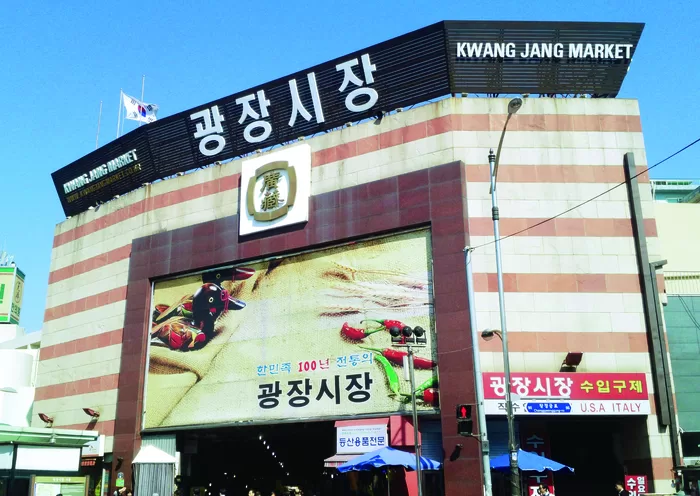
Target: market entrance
x=601, y=450
x=266, y=458
x=293, y=458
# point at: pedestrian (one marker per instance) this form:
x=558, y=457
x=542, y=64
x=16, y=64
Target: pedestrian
x=693, y=488
x=621, y=491
x=120, y=492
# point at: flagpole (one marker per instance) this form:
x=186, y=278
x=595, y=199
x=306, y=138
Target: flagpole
x=119, y=115
x=143, y=84
x=99, y=119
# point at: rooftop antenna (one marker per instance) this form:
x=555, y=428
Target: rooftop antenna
x=5, y=258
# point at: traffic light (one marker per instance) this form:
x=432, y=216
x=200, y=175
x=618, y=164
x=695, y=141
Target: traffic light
x=404, y=335
x=396, y=337
x=465, y=424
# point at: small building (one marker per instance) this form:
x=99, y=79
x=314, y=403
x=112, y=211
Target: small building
x=677, y=223
x=36, y=460
x=19, y=355
x=676, y=190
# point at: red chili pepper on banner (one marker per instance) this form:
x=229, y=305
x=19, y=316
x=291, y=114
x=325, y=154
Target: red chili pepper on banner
x=396, y=356
x=352, y=333
x=355, y=334
x=431, y=396
x=387, y=324
x=242, y=273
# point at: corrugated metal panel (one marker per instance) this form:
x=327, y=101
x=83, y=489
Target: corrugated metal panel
x=431, y=439
x=497, y=430
x=164, y=442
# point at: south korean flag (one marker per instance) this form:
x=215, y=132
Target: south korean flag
x=137, y=110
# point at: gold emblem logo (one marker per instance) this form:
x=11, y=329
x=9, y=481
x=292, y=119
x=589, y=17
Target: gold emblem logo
x=270, y=202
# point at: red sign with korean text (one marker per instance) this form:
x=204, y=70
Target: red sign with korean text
x=543, y=393
x=636, y=484
x=573, y=386
x=536, y=440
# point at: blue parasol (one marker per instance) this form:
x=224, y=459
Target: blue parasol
x=387, y=457
x=528, y=461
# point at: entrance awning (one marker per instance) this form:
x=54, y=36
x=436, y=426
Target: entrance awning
x=338, y=460
x=44, y=436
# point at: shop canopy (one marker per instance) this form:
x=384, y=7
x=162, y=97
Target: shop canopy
x=387, y=457
x=528, y=462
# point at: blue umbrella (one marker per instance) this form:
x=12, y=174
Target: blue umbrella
x=387, y=457
x=528, y=461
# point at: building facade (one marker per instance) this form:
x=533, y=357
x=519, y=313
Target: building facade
x=678, y=234
x=573, y=284
x=19, y=354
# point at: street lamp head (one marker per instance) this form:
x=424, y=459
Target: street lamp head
x=488, y=334
x=514, y=105
x=92, y=413
x=46, y=419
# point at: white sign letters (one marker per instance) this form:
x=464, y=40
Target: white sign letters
x=619, y=51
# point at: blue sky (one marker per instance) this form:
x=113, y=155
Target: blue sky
x=59, y=59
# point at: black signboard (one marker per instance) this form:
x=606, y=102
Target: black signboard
x=540, y=58
x=447, y=57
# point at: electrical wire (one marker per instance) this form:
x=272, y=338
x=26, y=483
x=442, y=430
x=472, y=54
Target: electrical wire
x=687, y=310
x=590, y=199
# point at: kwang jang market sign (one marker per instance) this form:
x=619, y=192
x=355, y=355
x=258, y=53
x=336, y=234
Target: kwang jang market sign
x=449, y=57
x=546, y=50
x=98, y=173
x=568, y=394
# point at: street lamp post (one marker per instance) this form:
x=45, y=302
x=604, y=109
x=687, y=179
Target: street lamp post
x=410, y=339
x=416, y=442
x=513, y=106
x=478, y=384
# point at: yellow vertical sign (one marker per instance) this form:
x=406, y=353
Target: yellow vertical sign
x=17, y=293
x=7, y=280
x=11, y=291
